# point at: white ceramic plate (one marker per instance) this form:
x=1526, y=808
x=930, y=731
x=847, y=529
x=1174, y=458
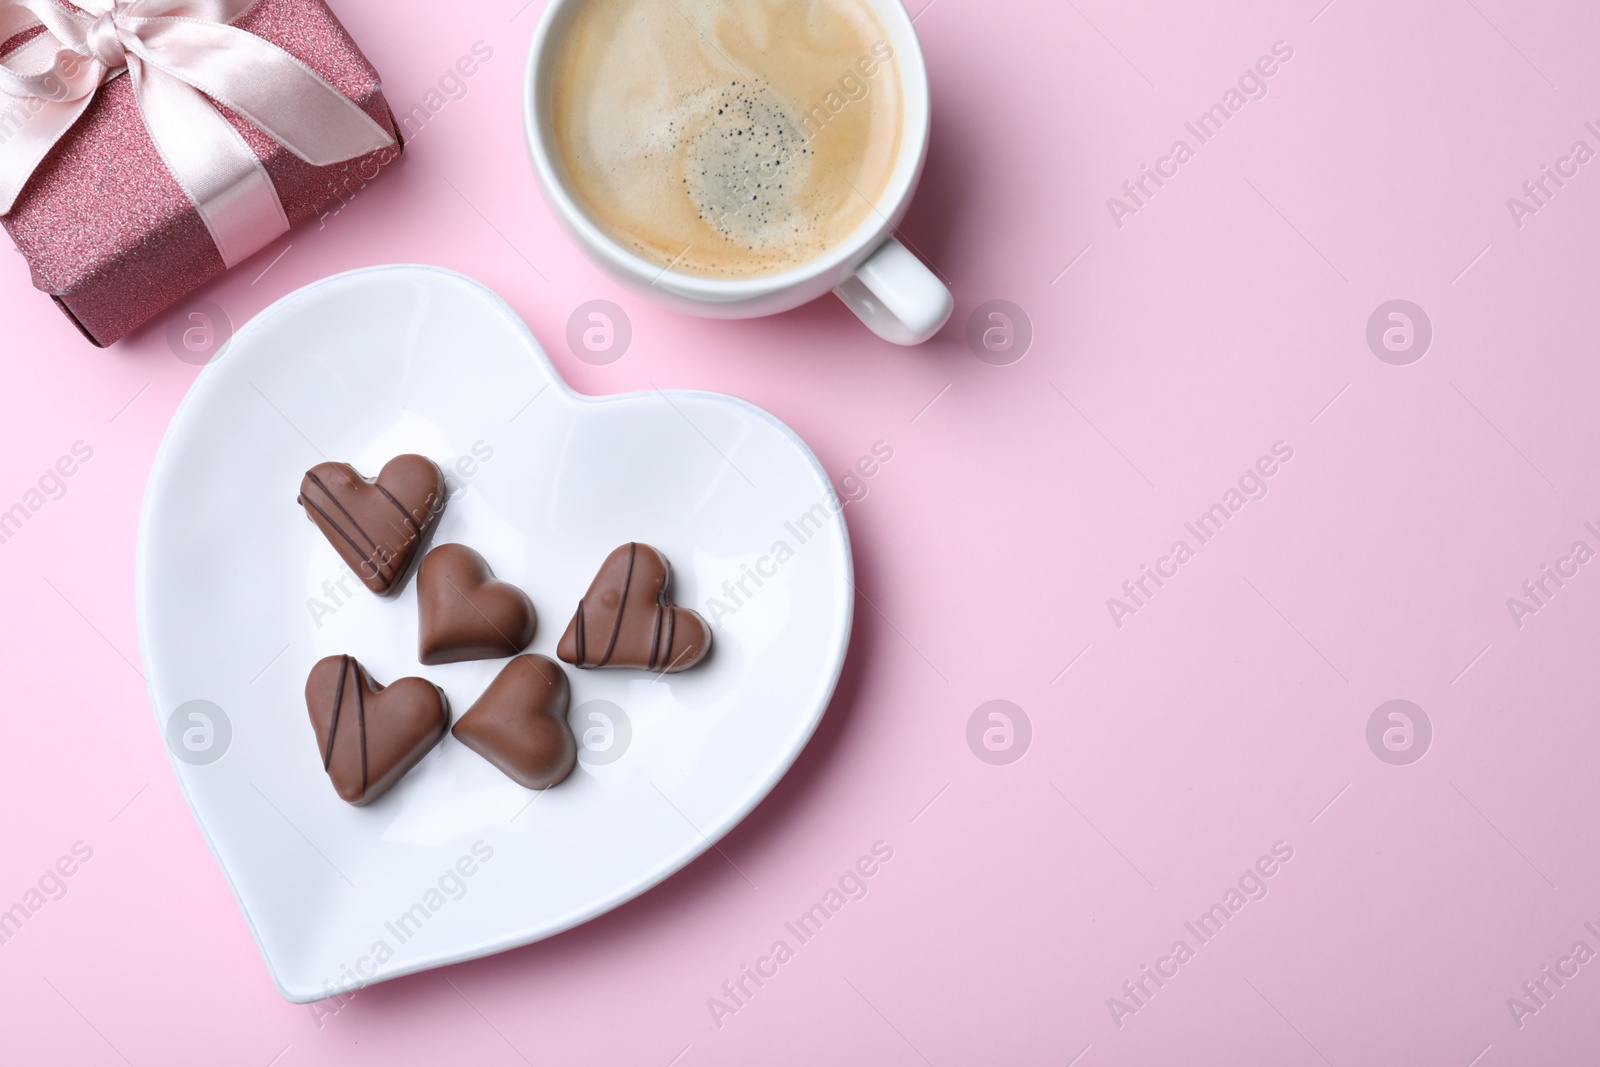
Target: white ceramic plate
x=456, y=862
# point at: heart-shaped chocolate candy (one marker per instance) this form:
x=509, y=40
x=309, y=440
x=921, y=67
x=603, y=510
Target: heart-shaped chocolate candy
x=375, y=524
x=520, y=723
x=626, y=618
x=465, y=613
x=370, y=735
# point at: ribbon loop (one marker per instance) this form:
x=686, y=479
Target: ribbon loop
x=104, y=44
x=184, y=58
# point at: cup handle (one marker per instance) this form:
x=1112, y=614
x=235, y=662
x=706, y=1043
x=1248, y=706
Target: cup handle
x=897, y=296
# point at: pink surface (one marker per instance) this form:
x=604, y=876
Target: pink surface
x=1167, y=754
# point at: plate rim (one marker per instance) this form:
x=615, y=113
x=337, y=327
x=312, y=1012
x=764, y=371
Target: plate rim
x=163, y=458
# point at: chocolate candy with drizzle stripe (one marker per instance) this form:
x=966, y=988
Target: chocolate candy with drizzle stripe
x=376, y=524
x=627, y=619
x=370, y=735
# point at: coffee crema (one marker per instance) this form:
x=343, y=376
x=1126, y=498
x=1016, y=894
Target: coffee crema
x=727, y=138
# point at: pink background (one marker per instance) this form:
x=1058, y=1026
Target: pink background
x=1230, y=713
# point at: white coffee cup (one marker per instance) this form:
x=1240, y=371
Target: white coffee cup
x=891, y=290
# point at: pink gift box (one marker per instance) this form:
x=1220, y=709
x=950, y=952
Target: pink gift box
x=106, y=229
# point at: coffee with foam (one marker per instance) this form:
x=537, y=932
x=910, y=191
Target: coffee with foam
x=727, y=138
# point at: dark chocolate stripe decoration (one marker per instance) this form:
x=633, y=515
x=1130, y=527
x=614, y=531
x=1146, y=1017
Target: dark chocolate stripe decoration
x=658, y=655
x=412, y=522
x=367, y=557
x=647, y=631
x=336, y=502
x=622, y=605
x=345, y=668
x=361, y=724
x=340, y=530
x=333, y=718
x=579, y=630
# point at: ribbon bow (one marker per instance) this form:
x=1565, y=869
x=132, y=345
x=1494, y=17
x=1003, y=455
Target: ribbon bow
x=179, y=53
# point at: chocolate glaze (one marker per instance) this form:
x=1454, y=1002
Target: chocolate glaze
x=465, y=613
x=375, y=524
x=520, y=723
x=370, y=735
x=626, y=619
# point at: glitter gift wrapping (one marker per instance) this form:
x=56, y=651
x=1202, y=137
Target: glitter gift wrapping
x=106, y=229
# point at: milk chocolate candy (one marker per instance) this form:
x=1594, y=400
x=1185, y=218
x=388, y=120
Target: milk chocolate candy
x=465, y=613
x=370, y=735
x=627, y=620
x=520, y=723
x=376, y=524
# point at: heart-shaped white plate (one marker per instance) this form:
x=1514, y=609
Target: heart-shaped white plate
x=238, y=595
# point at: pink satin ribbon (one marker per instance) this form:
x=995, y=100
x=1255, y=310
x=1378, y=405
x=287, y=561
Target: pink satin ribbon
x=181, y=55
